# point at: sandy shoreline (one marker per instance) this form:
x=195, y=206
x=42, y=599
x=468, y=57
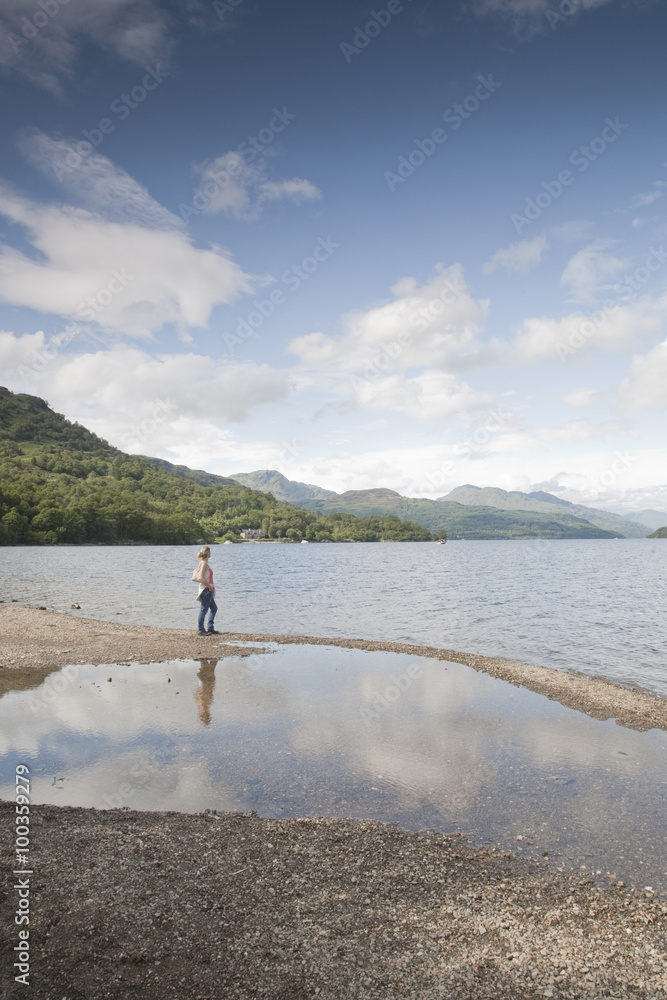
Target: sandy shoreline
x=177, y=907
x=34, y=643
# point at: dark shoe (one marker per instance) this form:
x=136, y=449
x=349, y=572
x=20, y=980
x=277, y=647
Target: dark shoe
x=201, y=631
x=213, y=631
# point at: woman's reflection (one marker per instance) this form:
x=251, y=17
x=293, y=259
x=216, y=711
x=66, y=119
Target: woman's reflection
x=204, y=694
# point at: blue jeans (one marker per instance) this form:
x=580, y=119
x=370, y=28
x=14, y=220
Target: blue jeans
x=207, y=604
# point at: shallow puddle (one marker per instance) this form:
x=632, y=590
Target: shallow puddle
x=316, y=730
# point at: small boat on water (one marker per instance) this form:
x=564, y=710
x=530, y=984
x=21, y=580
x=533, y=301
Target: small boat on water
x=441, y=541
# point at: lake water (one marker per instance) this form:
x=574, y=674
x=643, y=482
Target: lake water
x=599, y=607
x=310, y=731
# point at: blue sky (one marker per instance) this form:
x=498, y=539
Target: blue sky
x=411, y=245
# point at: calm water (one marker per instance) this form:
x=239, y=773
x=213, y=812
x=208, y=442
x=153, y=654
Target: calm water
x=595, y=606
x=308, y=731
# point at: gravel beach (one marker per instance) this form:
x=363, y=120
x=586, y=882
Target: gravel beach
x=174, y=905
x=171, y=906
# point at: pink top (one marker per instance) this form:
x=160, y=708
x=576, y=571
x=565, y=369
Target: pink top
x=206, y=573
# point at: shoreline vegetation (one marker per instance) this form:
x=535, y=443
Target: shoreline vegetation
x=35, y=642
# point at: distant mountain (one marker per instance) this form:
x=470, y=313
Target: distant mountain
x=287, y=490
x=548, y=498
x=545, y=503
x=458, y=520
x=194, y=475
x=653, y=519
x=660, y=533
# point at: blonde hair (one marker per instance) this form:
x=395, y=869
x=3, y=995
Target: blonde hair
x=204, y=553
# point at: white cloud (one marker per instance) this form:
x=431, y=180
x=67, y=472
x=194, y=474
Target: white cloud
x=543, y=337
x=126, y=277
x=41, y=42
x=16, y=351
x=582, y=397
x=432, y=325
x=584, y=430
x=519, y=256
x=433, y=470
x=589, y=272
x=123, y=385
x=241, y=190
x=530, y=16
x=94, y=181
x=432, y=395
x=296, y=189
x=645, y=198
x=609, y=479
x=645, y=386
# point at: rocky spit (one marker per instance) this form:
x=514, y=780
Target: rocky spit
x=35, y=638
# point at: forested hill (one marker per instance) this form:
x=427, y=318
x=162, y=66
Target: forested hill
x=61, y=483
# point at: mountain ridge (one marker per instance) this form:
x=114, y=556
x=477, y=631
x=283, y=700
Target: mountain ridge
x=653, y=519
x=457, y=519
x=493, y=496
x=60, y=482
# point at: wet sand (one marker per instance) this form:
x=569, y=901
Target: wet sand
x=48, y=640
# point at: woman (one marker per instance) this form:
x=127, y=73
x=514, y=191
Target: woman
x=203, y=575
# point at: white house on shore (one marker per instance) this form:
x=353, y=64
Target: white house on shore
x=252, y=534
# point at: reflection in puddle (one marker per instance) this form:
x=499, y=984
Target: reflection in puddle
x=313, y=730
x=204, y=694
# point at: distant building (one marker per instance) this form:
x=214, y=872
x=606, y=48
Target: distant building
x=252, y=533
